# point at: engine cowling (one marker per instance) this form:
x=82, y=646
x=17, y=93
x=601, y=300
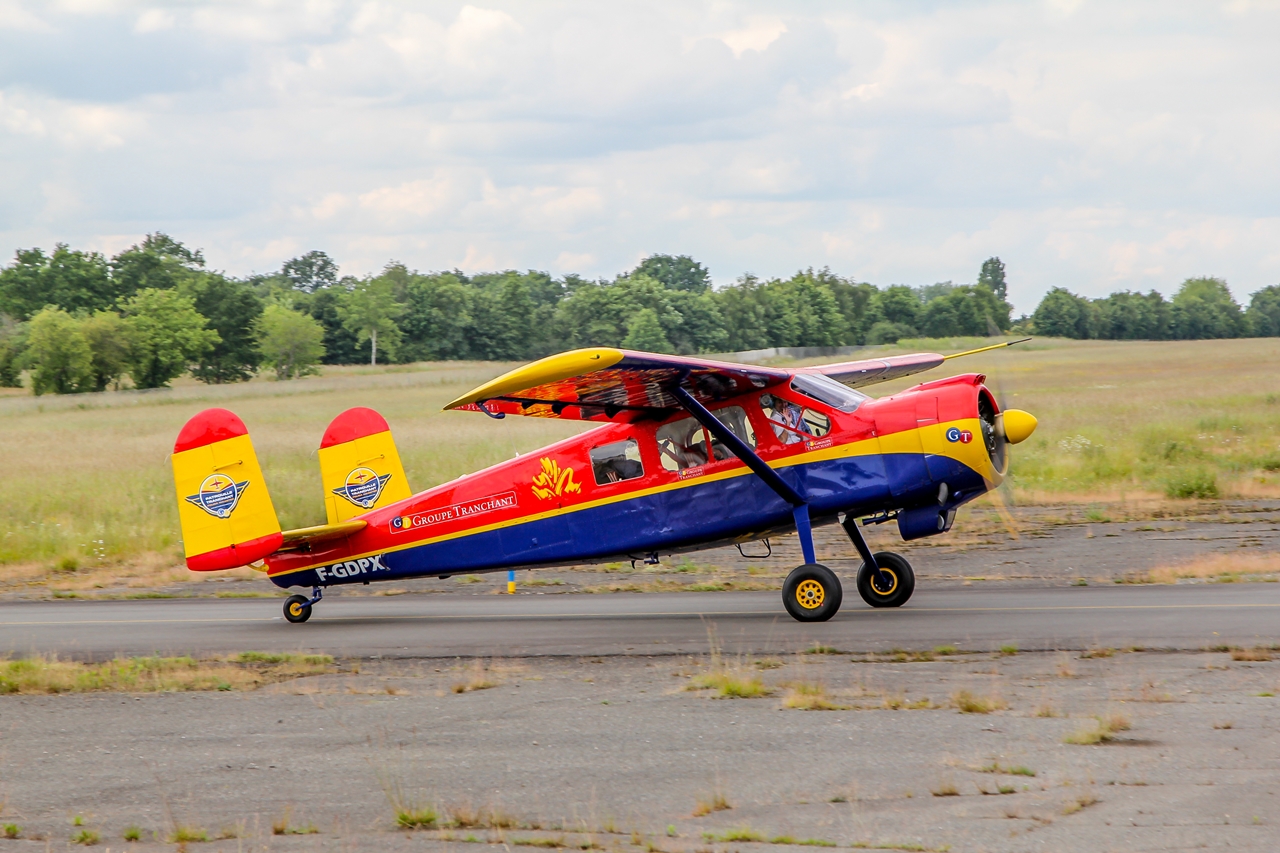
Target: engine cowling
x=944, y=443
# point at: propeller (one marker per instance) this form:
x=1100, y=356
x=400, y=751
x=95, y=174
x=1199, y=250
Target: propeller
x=1009, y=426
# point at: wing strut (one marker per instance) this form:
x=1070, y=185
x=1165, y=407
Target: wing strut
x=800, y=509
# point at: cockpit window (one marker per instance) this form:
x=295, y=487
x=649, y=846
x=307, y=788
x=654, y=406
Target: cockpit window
x=683, y=444
x=793, y=423
x=824, y=389
x=613, y=463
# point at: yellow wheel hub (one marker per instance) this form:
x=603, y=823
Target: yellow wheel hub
x=810, y=594
x=295, y=609
x=893, y=582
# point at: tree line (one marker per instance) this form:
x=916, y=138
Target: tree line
x=1202, y=308
x=77, y=321
x=73, y=321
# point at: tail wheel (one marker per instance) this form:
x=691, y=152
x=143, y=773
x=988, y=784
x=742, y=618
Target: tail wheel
x=297, y=608
x=891, y=586
x=812, y=593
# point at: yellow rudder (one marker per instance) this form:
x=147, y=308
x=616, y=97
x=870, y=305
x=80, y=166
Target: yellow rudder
x=223, y=505
x=359, y=465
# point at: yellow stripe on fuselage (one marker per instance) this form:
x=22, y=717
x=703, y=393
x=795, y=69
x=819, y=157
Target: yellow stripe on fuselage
x=932, y=437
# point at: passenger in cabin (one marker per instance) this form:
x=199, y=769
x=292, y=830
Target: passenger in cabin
x=613, y=463
x=786, y=418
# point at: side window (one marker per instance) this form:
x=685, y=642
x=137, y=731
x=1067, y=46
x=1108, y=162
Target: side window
x=613, y=463
x=684, y=443
x=735, y=418
x=792, y=423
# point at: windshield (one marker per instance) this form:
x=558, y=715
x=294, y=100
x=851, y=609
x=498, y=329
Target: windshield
x=824, y=389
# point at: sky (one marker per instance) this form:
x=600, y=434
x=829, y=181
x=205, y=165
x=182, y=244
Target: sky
x=1096, y=146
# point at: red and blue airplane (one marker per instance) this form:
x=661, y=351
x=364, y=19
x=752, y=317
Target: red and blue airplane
x=688, y=454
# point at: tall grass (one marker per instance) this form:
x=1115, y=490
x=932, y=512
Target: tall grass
x=1176, y=419
x=42, y=674
x=88, y=480
x=88, y=483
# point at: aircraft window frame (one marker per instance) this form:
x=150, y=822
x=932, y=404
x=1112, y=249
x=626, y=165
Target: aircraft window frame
x=828, y=391
x=610, y=464
x=793, y=423
x=697, y=439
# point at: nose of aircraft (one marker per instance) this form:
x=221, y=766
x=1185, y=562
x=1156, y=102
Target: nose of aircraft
x=1017, y=425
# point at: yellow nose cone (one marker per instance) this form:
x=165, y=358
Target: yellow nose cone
x=1018, y=425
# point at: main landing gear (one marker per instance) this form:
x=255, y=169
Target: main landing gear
x=812, y=592
x=297, y=608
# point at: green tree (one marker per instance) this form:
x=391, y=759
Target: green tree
x=502, y=319
x=437, y=321
x=1204, y=308
x=13, y=341
x=341, y=345
x=292, y=343
x=676, y=272
x=232, y=308
x=370, y=310
x=898, y=305
x=966, y=309
x=992, y=278
x=60, y=359
x=1264, y=312
x=1062, y=314
x=75, y=281
x=886, y=332
x=158, y=262
x=108, y=338
x=853, y=300
x=597, y=313
x=524, y=307
x=1128, y=316
x=745, y=314
x=645, y=333
x=310, y=272
x=167, y=334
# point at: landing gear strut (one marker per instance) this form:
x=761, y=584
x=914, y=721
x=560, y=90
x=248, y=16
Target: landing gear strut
x=297, y=608
x=884, y=579
x=889, y=584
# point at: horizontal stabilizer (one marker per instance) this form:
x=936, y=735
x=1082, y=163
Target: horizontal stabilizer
x=223, y=505
x=294, y=539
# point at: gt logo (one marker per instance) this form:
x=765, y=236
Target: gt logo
x=352, y=568
x=961, y=435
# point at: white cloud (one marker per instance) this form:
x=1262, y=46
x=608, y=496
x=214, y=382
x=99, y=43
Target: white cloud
x=13, y=16
x=154, y=20
x=1094, y=146
x=757, y=35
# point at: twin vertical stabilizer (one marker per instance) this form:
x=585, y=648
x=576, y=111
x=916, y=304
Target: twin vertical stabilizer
x=225, y=510
x=223, y=505
x=359, y=465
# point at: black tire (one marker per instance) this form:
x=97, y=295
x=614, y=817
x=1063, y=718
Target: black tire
x=902, y=581
x=812, y=593
x=297, y=608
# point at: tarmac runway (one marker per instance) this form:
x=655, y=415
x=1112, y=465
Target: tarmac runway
x=448, y=625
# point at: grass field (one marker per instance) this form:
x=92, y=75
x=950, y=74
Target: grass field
x=87, y=481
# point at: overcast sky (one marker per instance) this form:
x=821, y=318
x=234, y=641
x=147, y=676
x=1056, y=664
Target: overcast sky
x=1094, y=145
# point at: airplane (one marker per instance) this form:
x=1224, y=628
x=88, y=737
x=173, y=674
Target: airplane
x=688, y=454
